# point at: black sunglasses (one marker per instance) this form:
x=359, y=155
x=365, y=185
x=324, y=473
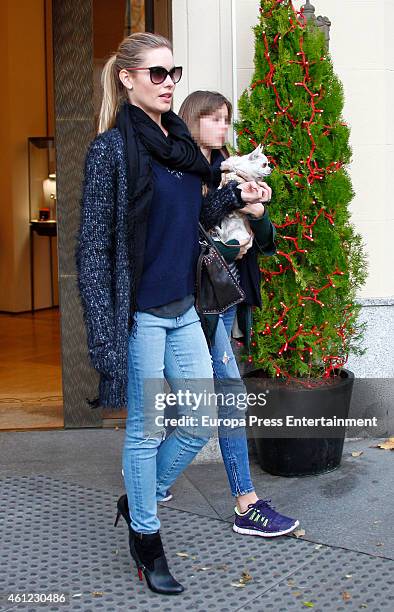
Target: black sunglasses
x=158, y=74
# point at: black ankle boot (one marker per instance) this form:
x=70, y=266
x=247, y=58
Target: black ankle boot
x=147, y=551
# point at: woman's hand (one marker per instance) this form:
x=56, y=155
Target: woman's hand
x=253, y=192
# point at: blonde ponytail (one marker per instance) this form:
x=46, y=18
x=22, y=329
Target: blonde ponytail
x=112, y=95
x=130, y=54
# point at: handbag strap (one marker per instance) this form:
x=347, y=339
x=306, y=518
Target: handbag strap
x=206, y=235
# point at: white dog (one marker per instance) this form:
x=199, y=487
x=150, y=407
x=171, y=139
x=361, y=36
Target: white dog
x=235, y=226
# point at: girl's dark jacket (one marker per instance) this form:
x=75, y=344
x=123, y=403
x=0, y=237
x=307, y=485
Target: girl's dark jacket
x=105, y=276
x=248, y=265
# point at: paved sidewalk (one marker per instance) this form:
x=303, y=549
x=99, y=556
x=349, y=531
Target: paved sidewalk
x=58, y=501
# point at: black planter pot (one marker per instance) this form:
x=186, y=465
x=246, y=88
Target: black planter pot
x=301, y=456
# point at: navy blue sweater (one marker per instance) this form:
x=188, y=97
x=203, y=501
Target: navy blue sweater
x=171, y=248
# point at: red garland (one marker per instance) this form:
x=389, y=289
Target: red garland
x=315, y=172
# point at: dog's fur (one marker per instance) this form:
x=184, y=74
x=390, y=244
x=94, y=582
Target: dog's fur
x=236, y=225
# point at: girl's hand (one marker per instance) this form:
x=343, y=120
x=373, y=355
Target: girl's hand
x=257, y=210
x=242, y=252
x=267, y=191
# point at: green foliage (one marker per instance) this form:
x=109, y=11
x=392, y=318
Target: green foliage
x=294, y=108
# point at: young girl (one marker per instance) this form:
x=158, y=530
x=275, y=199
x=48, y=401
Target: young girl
x=136, y=257
x=208, y=115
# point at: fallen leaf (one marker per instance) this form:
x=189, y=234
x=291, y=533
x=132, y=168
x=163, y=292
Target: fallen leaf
x=291, y=582
x=237, y=584
x=194, y=557
x=251, y=559
x=363, y=606
x=181, y=554
x=308, y=604
x=245, y=577
x=204, y=568
x=296, y=593
x=387, y=445
x=298, y=533
x=349, y=576
x=357, y=453
x=346, y=596
x=97, y=593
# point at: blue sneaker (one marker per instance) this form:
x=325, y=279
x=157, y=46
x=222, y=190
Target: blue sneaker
x=262, y=520
x=167, y=497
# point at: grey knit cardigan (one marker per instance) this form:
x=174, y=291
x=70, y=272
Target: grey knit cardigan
x=103, y=261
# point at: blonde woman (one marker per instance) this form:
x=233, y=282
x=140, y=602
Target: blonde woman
x=136, y=258
x=208, y=116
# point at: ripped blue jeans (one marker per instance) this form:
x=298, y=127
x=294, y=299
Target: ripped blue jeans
x=172, y=350
x=233, y=442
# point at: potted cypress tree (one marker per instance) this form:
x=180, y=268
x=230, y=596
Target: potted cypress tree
x=308, y=323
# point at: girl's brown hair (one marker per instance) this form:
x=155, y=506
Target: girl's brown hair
x=130, y=54
x=198, y=104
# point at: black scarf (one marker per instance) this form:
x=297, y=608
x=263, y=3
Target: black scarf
x=177, y=151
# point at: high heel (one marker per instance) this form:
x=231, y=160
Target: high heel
x=147, y=551
x=151, y=561
x=122, y=509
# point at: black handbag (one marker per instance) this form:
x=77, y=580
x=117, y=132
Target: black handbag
x=216, y=287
